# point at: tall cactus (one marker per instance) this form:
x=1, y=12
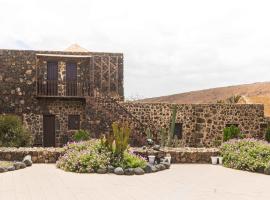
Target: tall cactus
x=149, y=134
x=162, y=137
x=117, y=140
x=172, y=126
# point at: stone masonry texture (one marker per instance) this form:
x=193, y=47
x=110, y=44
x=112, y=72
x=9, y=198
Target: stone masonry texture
x=97, y=97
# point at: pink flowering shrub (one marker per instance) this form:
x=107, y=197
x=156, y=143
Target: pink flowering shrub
x=246, y=154
x=84, y=157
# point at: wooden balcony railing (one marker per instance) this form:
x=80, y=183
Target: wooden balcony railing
x=63, y=89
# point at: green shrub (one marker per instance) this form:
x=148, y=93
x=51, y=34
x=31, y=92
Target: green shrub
x=267, y=135
x=246, y=154
x=231, y=132
x=13, y=133
x=131, y=160
x=81, y=135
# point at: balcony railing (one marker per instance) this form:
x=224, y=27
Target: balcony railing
x=63, y=89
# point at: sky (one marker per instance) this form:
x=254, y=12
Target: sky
x=169, y=47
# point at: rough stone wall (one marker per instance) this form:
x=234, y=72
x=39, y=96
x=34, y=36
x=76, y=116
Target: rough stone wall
x=203, y=124
x=51, y=155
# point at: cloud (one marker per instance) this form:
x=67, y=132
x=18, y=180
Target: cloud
x=169, y=46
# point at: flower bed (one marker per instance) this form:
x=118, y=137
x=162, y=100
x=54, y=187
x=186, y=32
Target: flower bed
x=247, y=154
x=94, y=156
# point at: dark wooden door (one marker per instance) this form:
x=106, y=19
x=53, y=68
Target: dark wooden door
x=71, y=79
x=52, y=78
x=48, y=130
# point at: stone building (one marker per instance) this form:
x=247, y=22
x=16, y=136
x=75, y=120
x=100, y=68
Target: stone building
x=59, y=92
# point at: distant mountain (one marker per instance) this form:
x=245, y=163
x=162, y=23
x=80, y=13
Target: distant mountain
x=214, y=94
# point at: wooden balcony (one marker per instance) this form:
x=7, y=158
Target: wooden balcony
x=55, y=88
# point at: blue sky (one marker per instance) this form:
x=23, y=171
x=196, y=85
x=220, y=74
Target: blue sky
x=169, y=46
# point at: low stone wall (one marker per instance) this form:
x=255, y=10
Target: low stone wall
x=182, y=155
x=38, y=154
x=50, y=155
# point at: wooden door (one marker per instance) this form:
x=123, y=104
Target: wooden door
x=48, y=130
x=52, y=78
x=71, y=79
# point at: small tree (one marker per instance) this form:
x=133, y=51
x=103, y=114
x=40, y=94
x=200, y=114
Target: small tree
x=13, y=133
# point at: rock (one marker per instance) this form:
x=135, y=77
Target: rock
x=11, y=168
x=162, y=166
x=144, y=147
x=129, y=171
x=3, y=169
x=110, y=169
x=27, y=160
x=154, y=169
x=102, y=171
x=148, y=168
x=91, y=170
x=119, y=171
x=19, y=165
x=159, y=167
x=156, y=147
x=138, y=171
x=166, y=164
x=267, y=170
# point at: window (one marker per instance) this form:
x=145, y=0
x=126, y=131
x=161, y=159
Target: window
x=74, y=122
x=178, y=131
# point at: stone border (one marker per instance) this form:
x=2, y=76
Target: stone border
x=50, y=155
x=38, y=154
x=181, y=155
x=26, y=162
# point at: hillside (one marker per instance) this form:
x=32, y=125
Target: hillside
x=215, y=94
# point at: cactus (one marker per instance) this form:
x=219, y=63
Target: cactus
x=162, y=137
x=149, y=134
x=172, y=126
x=117, y=140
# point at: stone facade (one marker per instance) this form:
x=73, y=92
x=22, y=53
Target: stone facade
x=97, y=97
x=25, y=89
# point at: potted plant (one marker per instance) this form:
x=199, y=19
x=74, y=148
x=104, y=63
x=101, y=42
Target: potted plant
x=151, y=159
x=220, y=160
x=214, y=160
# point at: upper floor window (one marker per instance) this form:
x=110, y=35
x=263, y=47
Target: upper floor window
x=52, y=70
x=71, y=71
